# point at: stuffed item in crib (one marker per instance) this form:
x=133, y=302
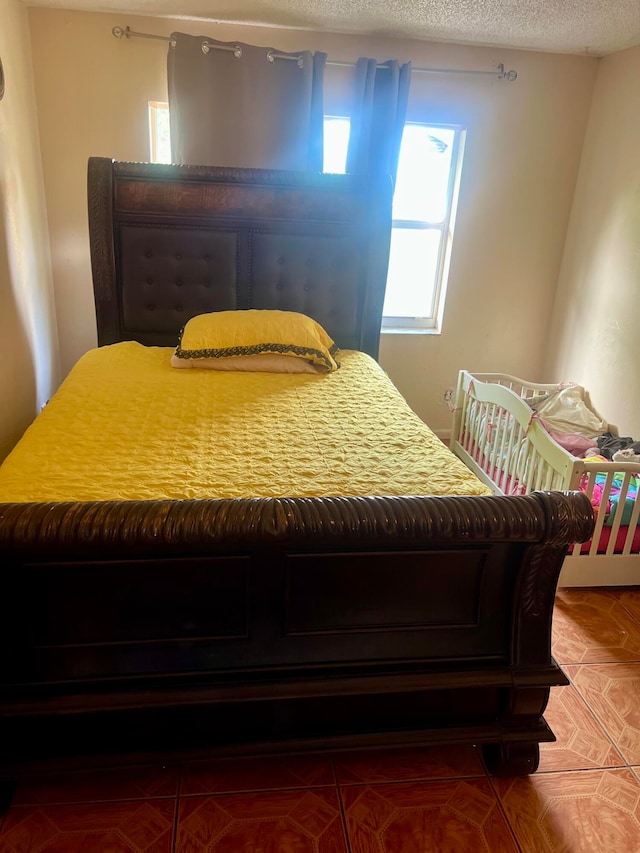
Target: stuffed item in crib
x=628, y=454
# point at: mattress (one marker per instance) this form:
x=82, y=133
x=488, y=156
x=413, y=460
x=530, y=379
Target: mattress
x=125, y=425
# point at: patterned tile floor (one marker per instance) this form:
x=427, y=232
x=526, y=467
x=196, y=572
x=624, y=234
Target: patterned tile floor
x=584, y=797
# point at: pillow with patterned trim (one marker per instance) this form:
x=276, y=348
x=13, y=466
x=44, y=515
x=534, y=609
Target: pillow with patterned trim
x=264, y=362
x=250, y=339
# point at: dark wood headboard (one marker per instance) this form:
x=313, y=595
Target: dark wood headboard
x=169, y=242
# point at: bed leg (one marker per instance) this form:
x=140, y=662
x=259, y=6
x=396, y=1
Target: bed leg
x=511, y=759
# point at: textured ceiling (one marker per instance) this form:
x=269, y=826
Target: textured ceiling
x=569, y=26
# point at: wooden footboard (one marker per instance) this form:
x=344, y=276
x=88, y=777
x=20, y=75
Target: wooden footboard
x=272, y=623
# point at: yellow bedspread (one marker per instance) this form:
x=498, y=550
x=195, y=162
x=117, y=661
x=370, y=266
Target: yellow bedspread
x=125, y=425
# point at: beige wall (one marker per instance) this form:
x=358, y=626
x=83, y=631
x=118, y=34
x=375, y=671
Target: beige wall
x=523, y=148
x=28, y=337
x=595, y=337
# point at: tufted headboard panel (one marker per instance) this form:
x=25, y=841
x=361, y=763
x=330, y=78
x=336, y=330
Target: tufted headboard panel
x=169, y=242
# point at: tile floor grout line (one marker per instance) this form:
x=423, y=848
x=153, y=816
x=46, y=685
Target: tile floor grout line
x=123, y=798
x=131, y=797
x=70, y=805
x=582, y=770
x=416, y=779
x=176, y=823
x=236, y=791
x=478, y=750
x=600, y=723
x=334, y=770
x=504, y=815
x=343, y=817
x=176, y=820
x=616, y=662
x=597, y=720
x=634, y=616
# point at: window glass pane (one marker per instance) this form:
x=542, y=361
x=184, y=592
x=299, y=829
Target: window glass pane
x=423, y=173
x=163, y=138
x=413, y=266
x=336, y=142
x=159, y=132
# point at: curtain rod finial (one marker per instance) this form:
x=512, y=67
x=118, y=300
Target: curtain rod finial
x=506, y=75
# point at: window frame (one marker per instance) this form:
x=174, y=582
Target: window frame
x=433, y=322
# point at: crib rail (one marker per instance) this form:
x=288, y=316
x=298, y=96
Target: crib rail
x=498, y=436
x=523, y=389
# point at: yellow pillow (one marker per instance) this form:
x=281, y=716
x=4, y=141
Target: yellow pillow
x=225, y=335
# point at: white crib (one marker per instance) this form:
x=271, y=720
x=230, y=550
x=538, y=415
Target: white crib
x=497, y=435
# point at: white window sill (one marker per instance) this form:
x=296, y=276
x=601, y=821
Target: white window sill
x=406, y=330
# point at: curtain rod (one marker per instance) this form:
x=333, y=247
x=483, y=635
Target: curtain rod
x=127, y=32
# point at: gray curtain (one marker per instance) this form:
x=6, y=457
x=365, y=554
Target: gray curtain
x=244, y=110
x=378, y=116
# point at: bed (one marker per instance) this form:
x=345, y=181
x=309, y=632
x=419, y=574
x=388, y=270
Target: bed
x=259, y=624
x=499, y=436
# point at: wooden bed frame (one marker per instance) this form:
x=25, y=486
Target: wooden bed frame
x=271, y=624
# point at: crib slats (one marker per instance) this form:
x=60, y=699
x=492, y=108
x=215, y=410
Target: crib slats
x=634, y=524
x=617, y=519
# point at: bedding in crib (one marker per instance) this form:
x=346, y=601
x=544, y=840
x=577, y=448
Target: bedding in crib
x=617, y=492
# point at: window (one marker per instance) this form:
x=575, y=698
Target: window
x=423, y=218
x=159, y=138
x=423, y=211
x=336, y=142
